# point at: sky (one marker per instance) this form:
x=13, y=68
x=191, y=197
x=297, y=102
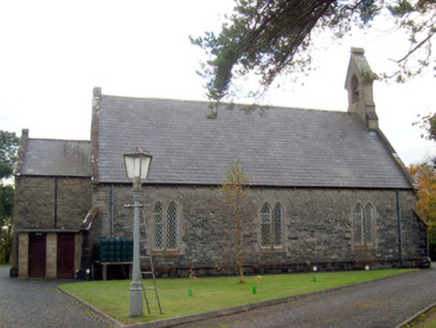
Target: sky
x=53, y=53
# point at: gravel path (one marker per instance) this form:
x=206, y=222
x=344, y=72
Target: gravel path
x=385, y=303
x=38, y=303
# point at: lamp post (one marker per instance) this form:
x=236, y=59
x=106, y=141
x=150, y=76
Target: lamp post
x=137, y=164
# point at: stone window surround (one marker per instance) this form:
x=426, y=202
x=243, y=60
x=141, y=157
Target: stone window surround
x=272, y=248
x=165, y=206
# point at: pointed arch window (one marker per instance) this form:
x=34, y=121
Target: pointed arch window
x=271, y=226
x=364, y=224
x=265, y=218
x=358, y=224
x=165, y=227
x=172, y=226
x=158, y=227
x=368, y=224
x=277, y=225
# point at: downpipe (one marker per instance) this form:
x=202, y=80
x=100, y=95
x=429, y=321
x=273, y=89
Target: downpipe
x=399, y=217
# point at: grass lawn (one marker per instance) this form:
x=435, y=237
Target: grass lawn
x=208, y=294
x=426, y=320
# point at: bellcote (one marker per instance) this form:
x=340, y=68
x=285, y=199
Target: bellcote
x=358, y=84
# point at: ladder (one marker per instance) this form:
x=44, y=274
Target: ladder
x=150, y=272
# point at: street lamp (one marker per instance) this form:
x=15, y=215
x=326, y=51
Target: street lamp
x=137, y=164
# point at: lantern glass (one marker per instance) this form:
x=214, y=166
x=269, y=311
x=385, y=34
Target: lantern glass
x=137, y=165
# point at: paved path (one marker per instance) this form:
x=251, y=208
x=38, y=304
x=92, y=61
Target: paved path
x=37, y=303
x=385, y=303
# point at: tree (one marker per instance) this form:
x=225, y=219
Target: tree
x=425, y=179
x=428, y=124
x=236, y=193
x=271, y=37
x=6, y=240
x=9, y=143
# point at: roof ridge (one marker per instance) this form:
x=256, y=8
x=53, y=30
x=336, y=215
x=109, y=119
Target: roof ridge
x=226, y=103
x=60, y=140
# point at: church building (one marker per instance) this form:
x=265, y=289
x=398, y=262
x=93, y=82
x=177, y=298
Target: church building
x=326, y=188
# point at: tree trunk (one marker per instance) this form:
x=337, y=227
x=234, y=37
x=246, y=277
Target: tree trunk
x=239, y=223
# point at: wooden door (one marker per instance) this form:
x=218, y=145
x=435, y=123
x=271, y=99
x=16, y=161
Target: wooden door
x=37, y=255
x=65, y=256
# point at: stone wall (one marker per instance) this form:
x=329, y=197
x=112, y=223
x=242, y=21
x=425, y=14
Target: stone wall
x=48, y=204
x=420, y=239
x=317, y=228
x=51, y=203
x=23, y=261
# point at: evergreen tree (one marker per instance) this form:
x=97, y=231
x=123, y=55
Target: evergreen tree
x=271, y=37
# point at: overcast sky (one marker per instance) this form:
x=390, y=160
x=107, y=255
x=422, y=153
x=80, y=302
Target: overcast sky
x=54, y=52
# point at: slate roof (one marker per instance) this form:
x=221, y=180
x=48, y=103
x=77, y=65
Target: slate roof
x=45, y=157
x=284, y=147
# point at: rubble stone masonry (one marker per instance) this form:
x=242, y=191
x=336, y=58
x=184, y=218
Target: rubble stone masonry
x=317, y=227
x=51, y=203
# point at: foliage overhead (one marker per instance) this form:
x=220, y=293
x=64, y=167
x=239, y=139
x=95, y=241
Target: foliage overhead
x=271, y=37
x=428, y=124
